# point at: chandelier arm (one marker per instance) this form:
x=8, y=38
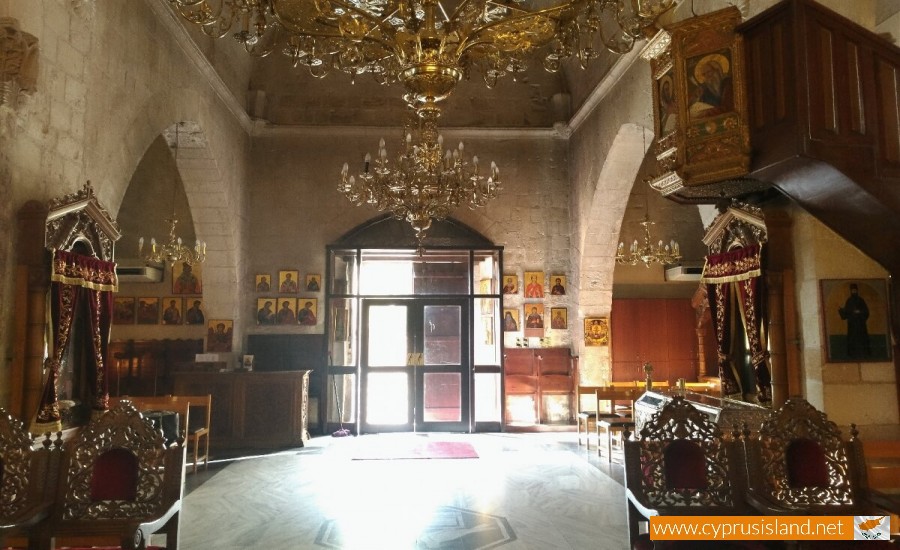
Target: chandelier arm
x=522, y=16
x=188, y=10
x=386, y=27
x=459, y=9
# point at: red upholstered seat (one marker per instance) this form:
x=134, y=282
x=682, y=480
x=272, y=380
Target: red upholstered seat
x=115, y=476
x=806, y=465
x=685, y=465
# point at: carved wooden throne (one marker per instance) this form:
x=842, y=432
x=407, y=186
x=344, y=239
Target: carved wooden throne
x=119, y=483
x=27, y=478
x=682, y=465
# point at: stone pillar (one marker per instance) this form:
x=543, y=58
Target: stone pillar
x=32, y=286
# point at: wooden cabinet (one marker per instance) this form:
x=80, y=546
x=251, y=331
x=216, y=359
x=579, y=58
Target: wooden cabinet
x=252, y=409
x=539, y=386
x=661, y=331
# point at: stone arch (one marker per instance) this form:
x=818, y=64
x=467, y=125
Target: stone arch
x=377, y=231
x=600, y=237
x=214, y=214
x=212, y=207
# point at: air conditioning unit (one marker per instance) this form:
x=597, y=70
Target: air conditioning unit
x=135, y=272
x=684, y=272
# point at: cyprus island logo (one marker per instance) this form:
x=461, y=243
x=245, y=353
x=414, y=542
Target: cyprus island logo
x=871, y=528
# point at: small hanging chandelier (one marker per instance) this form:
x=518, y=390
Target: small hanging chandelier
x=648, y=253
x=425, y=182
x=174, y=250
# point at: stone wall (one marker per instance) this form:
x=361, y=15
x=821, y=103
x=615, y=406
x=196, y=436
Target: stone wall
x=295, y=209
x=110, y=82
x=863, y=393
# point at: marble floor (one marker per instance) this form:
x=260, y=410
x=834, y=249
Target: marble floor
x=524, y=491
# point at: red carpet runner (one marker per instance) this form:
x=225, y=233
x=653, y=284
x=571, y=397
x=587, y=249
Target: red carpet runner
x=397, y=450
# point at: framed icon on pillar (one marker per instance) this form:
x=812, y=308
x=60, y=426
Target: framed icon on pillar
x=856, y=320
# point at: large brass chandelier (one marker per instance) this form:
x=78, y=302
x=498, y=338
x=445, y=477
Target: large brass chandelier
x=428, y=46
x=425, y=182
x=647, y=252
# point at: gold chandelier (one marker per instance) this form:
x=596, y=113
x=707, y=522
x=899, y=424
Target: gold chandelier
x=648, y=253
x=425, y=182
x=427, y=45
x=174, y=250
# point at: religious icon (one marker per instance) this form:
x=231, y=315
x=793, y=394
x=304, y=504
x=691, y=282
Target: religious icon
x=193, y=315
x=855, y=313
x=313, y=282
x=218, y=335
x=287, y=281
x=510, y=284
x=558, y=283
x=265, y=311
x=148, y=311
x=534, y=284
x=710, y=91
x=534, y=320
x=596, y=331
x=172, y=312
x=510, y=320
x=186, y=278
x=286, y=313
x=306, y=315
x=559, y=318
x=263, y=283
x=123, y=311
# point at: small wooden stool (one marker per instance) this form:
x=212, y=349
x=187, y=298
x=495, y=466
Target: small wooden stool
x=609, y=436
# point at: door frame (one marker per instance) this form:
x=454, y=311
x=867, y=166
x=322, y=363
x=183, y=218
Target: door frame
x=416, y=372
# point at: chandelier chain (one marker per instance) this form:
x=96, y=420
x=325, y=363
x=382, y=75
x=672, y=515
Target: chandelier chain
x=174, y=250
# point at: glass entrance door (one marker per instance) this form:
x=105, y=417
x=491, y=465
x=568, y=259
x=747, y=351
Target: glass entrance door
x=415, y=370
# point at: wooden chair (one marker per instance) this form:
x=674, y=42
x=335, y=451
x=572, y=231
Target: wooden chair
x=798, y=464
x=27, y=479
x=682, y=465
x=199, y=429
x=118, y=484
x=195, y=428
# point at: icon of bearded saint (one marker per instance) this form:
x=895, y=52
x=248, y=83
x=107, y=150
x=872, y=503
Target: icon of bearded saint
x=712, y=92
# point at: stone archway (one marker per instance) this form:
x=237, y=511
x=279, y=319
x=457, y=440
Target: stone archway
x=599, y=238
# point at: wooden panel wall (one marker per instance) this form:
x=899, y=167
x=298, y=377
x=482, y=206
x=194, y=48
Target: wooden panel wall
x=660, y=331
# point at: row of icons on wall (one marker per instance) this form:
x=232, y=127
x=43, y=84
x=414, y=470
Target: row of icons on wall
x=288, y=282
x=171, y=310
x=534, y=284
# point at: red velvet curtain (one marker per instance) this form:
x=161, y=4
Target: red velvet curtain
x=735, y=286
x=78, y=281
